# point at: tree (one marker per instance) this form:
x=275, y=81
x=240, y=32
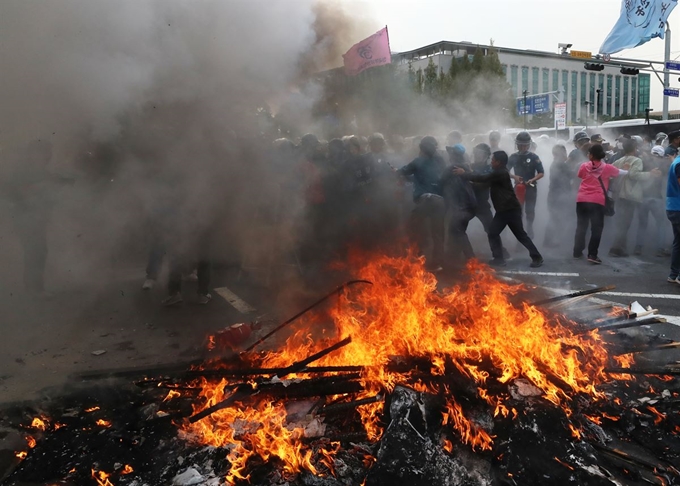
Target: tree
x=465, y=63
x=430, y=77
x=492, y=64
x=478, y=60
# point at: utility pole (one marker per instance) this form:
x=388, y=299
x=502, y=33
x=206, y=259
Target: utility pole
x=597, y=103
x=525, y=93
x=666, y=73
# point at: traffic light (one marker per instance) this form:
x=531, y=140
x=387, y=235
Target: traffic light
x=630, y=71
x=593, y=66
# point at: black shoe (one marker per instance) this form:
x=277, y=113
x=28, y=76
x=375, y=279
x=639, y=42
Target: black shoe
x=617, y=252
x=536, y=262
x=497, y=262
x=594, y=259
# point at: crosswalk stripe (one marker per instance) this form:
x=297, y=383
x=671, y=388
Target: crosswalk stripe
x=237, y=302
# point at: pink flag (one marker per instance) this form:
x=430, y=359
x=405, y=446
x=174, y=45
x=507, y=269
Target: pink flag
x=370, y=52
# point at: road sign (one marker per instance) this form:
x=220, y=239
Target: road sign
x=673, y=66
x=535, y=105
x=606, y=57
x=560, y=116
x=581, y=54
x=674, y=92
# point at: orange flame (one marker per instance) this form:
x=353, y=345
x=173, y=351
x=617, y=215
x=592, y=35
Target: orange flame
x=404, y=314
x=92, y=409
x=102, y=478
x=448, y=445
x=38, y=423
x=127, y=469
x=21, y=455
x=31, y=442
x=576, y=433
x=103, y=423
x=659, y=417
x=172, y=394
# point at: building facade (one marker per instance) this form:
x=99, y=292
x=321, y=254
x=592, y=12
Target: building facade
x=540, y=72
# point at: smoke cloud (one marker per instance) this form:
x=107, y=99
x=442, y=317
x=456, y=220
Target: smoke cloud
x=154, y=104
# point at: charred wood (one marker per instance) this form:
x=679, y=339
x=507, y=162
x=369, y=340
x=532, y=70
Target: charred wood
x=580, y=293
x=344, y=406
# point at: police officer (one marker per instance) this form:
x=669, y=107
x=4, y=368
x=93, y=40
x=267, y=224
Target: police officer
x=528, y=169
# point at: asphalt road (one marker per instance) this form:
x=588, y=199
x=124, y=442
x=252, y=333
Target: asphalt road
x=45, y=341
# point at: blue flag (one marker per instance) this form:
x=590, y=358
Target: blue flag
x=640, y=22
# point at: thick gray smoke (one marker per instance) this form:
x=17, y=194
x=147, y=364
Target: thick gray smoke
x=149, y=105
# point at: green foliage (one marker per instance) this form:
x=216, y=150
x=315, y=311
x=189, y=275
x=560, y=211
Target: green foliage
x=478, y=60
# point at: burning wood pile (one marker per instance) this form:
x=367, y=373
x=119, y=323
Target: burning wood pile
x=398, y=382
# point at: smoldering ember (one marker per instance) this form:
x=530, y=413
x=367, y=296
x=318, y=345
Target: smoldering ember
x=386, y=380
x=257, y=243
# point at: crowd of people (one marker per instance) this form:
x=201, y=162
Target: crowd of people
x=355, y=191
x=371, y=193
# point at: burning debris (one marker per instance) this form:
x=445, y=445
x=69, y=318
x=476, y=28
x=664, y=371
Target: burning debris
x=400, y=382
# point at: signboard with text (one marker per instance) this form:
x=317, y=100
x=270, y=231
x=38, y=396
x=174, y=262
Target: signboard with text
x=672, y=66
x=672, y=92
x=581, y=54
x=535, y=105
x=560, y=116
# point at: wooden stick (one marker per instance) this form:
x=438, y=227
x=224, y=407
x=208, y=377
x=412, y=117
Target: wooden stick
x=341, y=407
x=580, y=293
x=653, y=347
x=245, y=389
x=643, y=371
x=304, y=311
x=635, y=323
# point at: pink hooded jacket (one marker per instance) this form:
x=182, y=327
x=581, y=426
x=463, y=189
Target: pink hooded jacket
x=590, y=190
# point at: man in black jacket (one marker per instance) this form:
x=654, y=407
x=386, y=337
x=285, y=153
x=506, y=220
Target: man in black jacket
x=508, y=209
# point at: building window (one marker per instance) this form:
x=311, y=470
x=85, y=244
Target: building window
x=625, y=95
x=617, y=97
x=534, y=81
x=591, y=92
x=546, y=80
x=565, y=84
x=556, y=80
x=633, y=97
x=643, y=92
x=610, y=85
x=584, y=93
x=574, y=94
x=525, y=78
x=603, y=95
x=513, y=80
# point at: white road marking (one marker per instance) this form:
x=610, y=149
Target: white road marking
x=237, y=302
x=547, y=274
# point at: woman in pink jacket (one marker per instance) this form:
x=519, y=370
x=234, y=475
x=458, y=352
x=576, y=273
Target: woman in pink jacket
x=590, y=201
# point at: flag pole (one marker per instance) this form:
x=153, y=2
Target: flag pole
x=388, y=43
x=666, y=73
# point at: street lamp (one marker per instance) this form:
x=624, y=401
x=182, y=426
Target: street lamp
x=525, y=93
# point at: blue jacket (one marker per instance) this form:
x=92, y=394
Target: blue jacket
x=425, y=173
x=673, y=187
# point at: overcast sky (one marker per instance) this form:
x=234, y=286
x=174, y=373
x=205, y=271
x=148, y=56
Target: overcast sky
x=522, y=24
